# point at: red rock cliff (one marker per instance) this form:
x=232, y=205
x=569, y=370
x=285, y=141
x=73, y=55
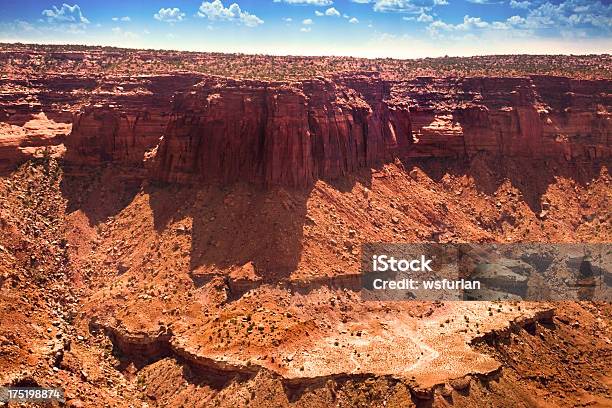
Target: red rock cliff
x=109, y=118
x=538, y=117
x=275, y=133
x=294, y=134
x=191, y=128
x=125, y=117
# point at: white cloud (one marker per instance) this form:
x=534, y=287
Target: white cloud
x=473, y=28
x=215, y=10
x=394, y=5
x=306, y=29
x=469, y=23
x=361, y=1
x=406, y=6
x=307, y=21
x=287, y=19
x=594, y=16
x=319, y=13
x=520, y=4
x=125, y=34
x=424, y=18
x=435, y=27
x=20, y=26
x=332, y=12
x=169, y=15
x=310, y=2
x=24, y=25
x=126, y=18
x=65, y=14
x=570, y=19
x=354, y=21
x=516, y=20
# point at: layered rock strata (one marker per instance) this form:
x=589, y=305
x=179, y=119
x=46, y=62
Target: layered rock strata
x=99, y=118
x=276, y=133
x=127, y=118
x=190, y=128
x=294, y=134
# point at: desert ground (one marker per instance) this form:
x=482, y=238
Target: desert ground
x=175, y=227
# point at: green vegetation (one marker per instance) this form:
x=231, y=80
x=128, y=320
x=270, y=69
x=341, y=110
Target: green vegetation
x=24, y=58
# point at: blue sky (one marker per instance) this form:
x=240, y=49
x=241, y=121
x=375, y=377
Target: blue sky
x=368, y=28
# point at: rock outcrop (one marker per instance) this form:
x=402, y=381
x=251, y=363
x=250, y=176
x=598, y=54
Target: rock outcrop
x=277, y=133
x=37, y=136
x=510, y=117
x=293, y=134
x=192, y=128
x=109, y=118
x=125, y=119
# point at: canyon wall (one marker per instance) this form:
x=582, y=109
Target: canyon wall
x=295, y=133
x=99, y=118
x=126, y=118
x=536, y=117
x=191, y=128
x=276, y=133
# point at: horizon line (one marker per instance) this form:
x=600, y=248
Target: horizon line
x=4, y=43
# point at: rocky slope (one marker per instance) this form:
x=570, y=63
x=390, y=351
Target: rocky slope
x=219, y=296
x=177, y=239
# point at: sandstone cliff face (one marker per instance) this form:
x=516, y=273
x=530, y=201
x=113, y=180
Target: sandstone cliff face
x=274, y=133
x=190, y=128
x=124, y=119
x=539, y=117
x=294, y=134
x=533, y=121
x=109, y=118
x=36, y=135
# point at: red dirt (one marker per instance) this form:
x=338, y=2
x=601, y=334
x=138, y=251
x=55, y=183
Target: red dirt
x=138, y=274
x=126, y=291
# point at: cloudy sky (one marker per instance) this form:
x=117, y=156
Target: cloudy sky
x=369, y=28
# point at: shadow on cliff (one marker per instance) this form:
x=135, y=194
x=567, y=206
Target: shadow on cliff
x=230, y=225
x=235, y=225
x=532, y=177
x=97, y=192
x=346, y=183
